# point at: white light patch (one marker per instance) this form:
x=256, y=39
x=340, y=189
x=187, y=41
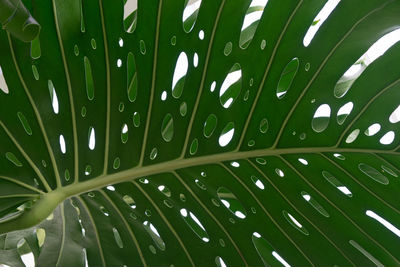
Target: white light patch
x=226, y=138
x=240, y=215
x=111, y=188
x=53, y=96
x=230, y=79
x=373, y=129
x=3, y=84
x=119, y=63
x=183, y=212
x=190, y=9
x=344, y=190
x=221, y=262
x=319, y=20
x=259, y=184
x=303, y=161
x=164, y=96
x=307, y=197
x=92, y=139
x=388, y=138
x=161, y=188
x=121, y=42
x=256, y=234
x=323, y=111
x=395, y=116
x=198, y=223
x=226, y=203
x=295, y=221
x=346, y=109
x=62, y=144
x=28, y=259
x=212, y=87
x=384, y=222
x=195, y=60
x=280, y=259
x=201, y=35
x=180, y=69
x=129, y=7
x=235, y=164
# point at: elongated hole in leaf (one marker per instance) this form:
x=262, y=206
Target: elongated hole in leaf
x=3, y=83
x=231, y=86
x=210, y=125
x=36, y=52
x=124, y=133
x=130, y=15
x=226, y=134
x=373, y=173
x=344, y=112
x=167, y=128
x=321, y=118
x=53, y=96
x=132, y=85
x=388, y=138
x=194, y=224
x=63, y=146
x=287, y=77
x=117, y=238
x=88, y=79
x=92, y=138
x=314, y=204
x=322, y=15
x=178, y=80
x=384, y=222
x=13, y=159
x=295, y=223
x=25, y=123
x=190, y=13
x=379, y=48
x=251, y=21
x=365, y=253
x=231, y=202
x=152, y=231
x=336, y=183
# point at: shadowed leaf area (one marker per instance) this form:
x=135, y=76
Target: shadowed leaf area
x=200, y=133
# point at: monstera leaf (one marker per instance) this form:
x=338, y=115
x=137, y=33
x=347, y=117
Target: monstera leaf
x=179, y=133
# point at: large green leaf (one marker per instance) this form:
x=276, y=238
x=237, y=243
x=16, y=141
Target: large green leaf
x=107, y=160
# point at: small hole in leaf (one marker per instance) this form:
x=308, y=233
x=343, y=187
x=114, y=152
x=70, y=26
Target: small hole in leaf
x=201, y=35
x=36, y=51
x=210, y=125
x=295, y=223
x=63, y=146
x=35, y=72
x=142, y=47
x=165, y=190
x=153, y=232
x=314, y=204
x=92, y=138
x=167, y=128
x=136, y=119
x=153, y=153
x=129, y=201
x=257, y=182
x=117, y=163
x=194, y=224
x=195, y=60
x=3, y=84
x=228, y=48
x=183, y=109
x=93, y=43
x=124, y=133
x=264, y=125
x=194, y=147
x=213, y=85
x=321, y=118
x=235, y=164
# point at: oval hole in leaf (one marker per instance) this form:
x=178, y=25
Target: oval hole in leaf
x=344, y=84
x=373, y=173
x=226, y=134
x=88, y=78
x=344, y=112
x=129, y=201
x=194, y=224
x=131, y=77
x=117, y=238
x=336, y=183
x=295, y=223
x=210, y=125
x=250, y=22
x=194, y=146
x=257, y=182
x=372, y=129
x=231, y=202
x=190, y=13
x=167, y=128
x=321, y=118
x=63, y=146
x=124, y=133
x=219, y=262
x=165, y=190
x=314, y=204
x=388, y=138
x=231, y=86
x=178, y=81
x=136, y=119
x=36, y=52
x=287, y=77
x=352, y=136
x=130, y=15
x=264, y=250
